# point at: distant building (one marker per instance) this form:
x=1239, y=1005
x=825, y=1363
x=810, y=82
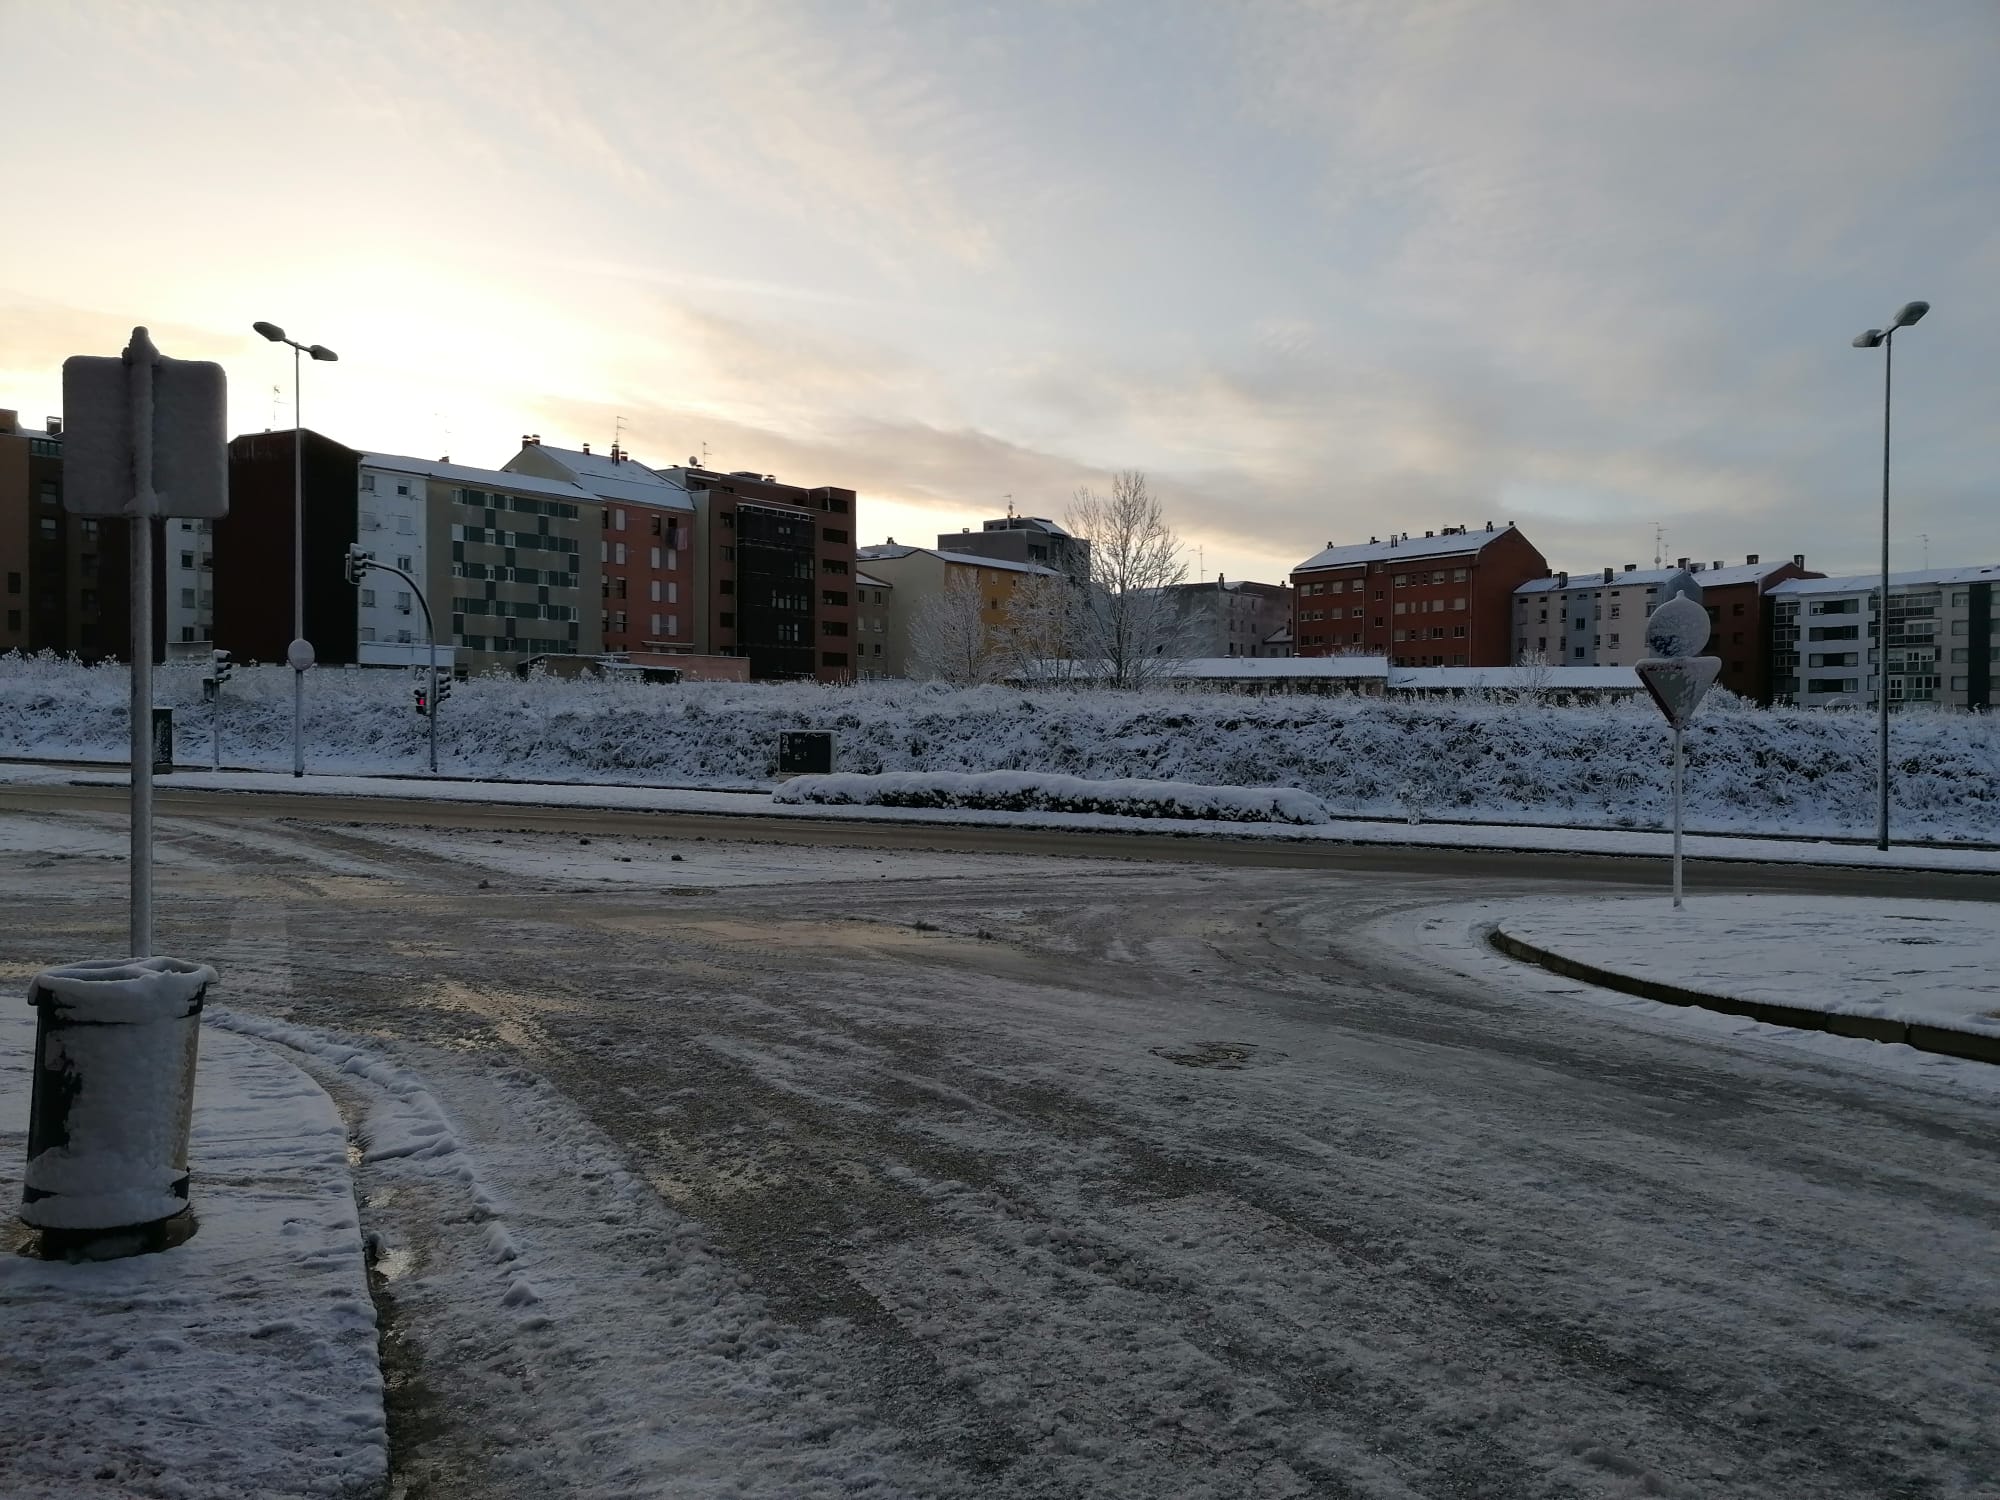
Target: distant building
x=874, y=603
x=918, y=574
x=1943, y=642
x=63, y=583
x=1024, y=539
x=1233, y=619
x=1599, y=619
x=1444, y=599
x=645, y=547
x=253, y=547
x=508, y=562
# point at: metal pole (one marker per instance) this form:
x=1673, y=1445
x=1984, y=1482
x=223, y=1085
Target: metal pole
x=215, y=727
x=298, y=571
x=140, y=357
x=1678, y=802
x=1882, y=617
x=430, y=630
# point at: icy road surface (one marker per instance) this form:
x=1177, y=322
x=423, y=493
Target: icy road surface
x=785, y=1171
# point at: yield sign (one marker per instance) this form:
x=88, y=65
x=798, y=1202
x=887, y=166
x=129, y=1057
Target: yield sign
x=1678, y=684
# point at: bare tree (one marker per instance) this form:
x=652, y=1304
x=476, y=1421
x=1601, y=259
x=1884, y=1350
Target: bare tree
x=1531, y=677
x=1134, y=625
x=949, y=637
x=1047, y=629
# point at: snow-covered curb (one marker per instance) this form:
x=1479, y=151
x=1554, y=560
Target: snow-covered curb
x=1034, y=791
x=242, y=1363
x=1492, y=837
x=1924, y=973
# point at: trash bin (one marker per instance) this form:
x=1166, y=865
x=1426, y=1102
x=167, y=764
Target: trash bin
x=115, y=1044
x=163, y=741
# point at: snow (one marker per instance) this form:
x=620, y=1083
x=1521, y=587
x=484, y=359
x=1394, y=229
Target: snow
x=1708, y=578
x=1453, y=542
x=485, y=479
x=1935, y=962
x=1791, y=771
x=1022, y=791
x=1854, y=583
x=240, y=1365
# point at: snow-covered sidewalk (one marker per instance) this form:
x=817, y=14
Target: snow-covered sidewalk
x=1892, y=970
x=242, y=1363
x=1489, y=836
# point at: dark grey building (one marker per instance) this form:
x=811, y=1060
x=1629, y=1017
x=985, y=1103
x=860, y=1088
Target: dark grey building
x=1024, y=539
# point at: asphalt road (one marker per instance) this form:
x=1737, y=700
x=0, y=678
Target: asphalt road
x=841, y=1160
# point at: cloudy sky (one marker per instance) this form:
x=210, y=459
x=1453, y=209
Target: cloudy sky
x=1320, y=269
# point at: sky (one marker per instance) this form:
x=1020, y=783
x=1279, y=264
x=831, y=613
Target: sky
x=1320, y=270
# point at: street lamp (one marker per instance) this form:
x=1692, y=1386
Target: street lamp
x=300, y=652
x=1908, y=314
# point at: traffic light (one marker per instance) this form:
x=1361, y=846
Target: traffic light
x=221, y=666
x=423, y=700
x=358, y=559
x=444, y=688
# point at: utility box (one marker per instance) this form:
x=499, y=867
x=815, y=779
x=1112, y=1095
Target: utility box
x=805, y=752
x=163, y=741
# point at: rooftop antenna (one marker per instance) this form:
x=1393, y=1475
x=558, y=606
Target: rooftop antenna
x=1927, y=547
x=618, y=434
x=1010, y=506
x=1659, y=545
x=704, y=455
x=275, y=399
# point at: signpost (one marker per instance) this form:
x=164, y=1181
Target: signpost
x=1677, y=679
x=115, y=1041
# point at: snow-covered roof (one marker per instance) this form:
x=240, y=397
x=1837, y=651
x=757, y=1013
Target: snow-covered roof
x=486, y=479
x=1855, y=583
x=867, y=581
x=1455, y=541
x=895, y=551
x=1654, y=577
x=1297, y=667
x=1026, y=523
x=1554, y=679
x=622, y=479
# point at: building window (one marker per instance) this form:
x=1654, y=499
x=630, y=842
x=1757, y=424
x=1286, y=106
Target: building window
x=656, y=551
x=833, y=658
x=618, y=552
x=725, y=585
x=726, y=620
x=367, y=484
x=402, y=489
x=368, y=598
x=673, y=592
x=656, y=624
x=833, y=534
x=48, y=528
x=673, y=624
x=617, y=519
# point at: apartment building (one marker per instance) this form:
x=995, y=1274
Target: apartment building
x=1222, y=619
x=1023, y=539
x=252, y=547
x=874, y=604
x=63, y=583
x=1942, y=635
x=917, y=574
x=186, y=573
x=509, y=563
x=773, y=573
x=647, y=597
x=1445, y=598
x=1599, y=619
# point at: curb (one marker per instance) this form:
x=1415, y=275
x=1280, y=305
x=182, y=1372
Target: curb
x=1971, y=1046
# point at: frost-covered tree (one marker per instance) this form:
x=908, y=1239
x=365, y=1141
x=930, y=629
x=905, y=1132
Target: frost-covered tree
x=949, y=637
x=1531, y=677
x=1047, y=630
x=1134, y=626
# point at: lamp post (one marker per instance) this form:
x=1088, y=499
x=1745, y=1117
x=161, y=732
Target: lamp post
x=300, y=653
x=1908, y=314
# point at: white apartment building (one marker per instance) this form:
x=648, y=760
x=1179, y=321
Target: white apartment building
x=1941, y=639
x=190, y=587
x=389, y=522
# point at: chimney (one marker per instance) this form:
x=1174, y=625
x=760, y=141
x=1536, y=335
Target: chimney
x=9, y=421
x=1717, y=564
x=1608, y=572
x=1430, y=533
x=1562, y=580
x=1489, y=525
x=586, y=447
x=1631, y=567
x=1798, y=559
x=1679, y=562
x=1750, y=561
x=54, y=425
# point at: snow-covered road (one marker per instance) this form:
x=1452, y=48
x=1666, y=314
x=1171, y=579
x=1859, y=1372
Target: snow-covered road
x=985, y=1176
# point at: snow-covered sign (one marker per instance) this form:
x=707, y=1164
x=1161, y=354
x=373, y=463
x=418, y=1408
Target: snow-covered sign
x=145, y=434
x=1678, y=686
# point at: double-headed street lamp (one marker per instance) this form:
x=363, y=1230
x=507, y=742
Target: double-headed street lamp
x=1909, y=313
x=300, y=652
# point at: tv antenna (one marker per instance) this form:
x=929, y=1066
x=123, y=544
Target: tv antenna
x=1659, y=545
x=1926, y=536
x=618, y=434
x=276, y=399
x=1010, y=506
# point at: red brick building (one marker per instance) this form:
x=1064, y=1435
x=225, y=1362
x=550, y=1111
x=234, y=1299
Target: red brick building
x=1444, y=599
x=646, y=552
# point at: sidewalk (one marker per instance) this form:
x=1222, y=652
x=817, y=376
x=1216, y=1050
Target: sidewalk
x=1922, y=973
x=242, y=1363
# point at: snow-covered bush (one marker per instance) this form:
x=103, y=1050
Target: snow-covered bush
x=1804, y=771
x=1033, y=791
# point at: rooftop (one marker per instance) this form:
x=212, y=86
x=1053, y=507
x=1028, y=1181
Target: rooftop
x=1856, y=583
x=896, y=551
x=1453, y=541
x=1653, y=577
x=491, y=479
x=622, y=479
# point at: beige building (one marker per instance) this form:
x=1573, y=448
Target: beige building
x=916, y=574
x=874, y=602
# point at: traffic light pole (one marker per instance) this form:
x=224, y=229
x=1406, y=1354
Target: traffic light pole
x=139, y=359
x=358, y=561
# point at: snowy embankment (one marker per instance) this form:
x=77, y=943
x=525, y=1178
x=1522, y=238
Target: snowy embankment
x=1750, y=771
x=1024, y=791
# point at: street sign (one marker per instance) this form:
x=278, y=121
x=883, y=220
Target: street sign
x=299, y=655
x=188, y=435
x=1677, y=686
x=805, y=752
